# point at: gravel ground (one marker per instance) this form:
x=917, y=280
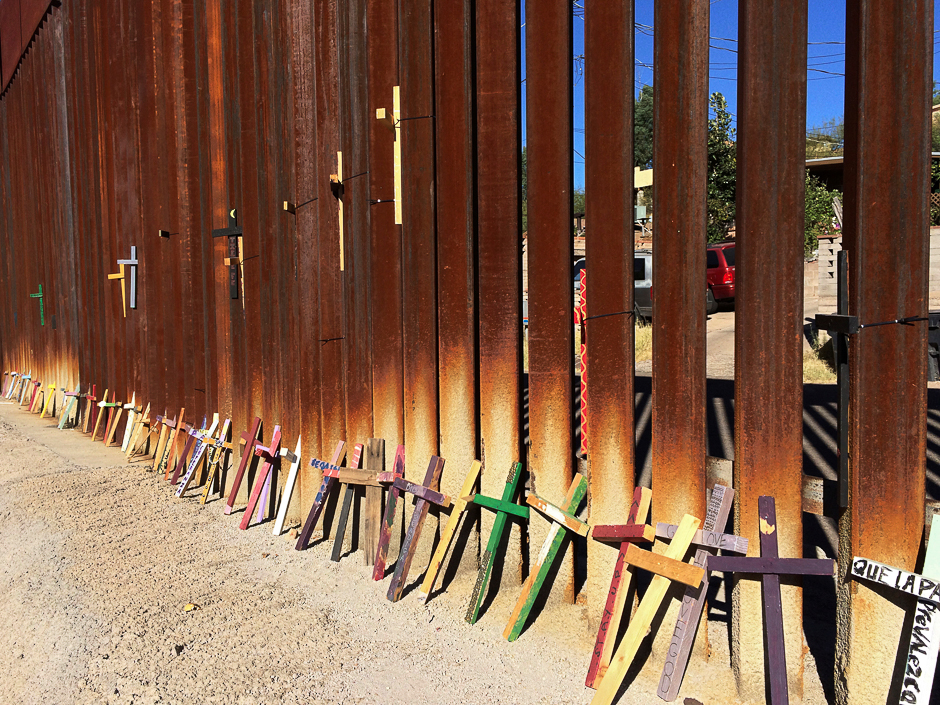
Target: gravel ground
x=99, y=561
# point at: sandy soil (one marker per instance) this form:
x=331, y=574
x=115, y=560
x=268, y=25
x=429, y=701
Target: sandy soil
x=99, y=561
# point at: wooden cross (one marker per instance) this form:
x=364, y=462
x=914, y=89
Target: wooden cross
x=666, y=568
x=143, y=420
x=69, y=405
x=921, y=662
x=562, y=517
x=330, y=472
x=99, y=416
x=119, y=276
x=634, y=530
x=271, y=455
x=132, y=264
x=693, y=601
x=338, y=189
x=34, y=397
x=23, y=385
x=117, y=412
x=388, y=519
x=440, y=552
x=393, y=122
x=503, y=507
x=770, y=567
x=91, y=406
x=204, y=440
x=194, y=435
x=174, y=426
x=49, y=399
x=216, y=453
x=248, y=439
x=350, y=481
x=133, y=411
x=13, y=379
x=234, y=234
x=42, y=308
x=426, y=496
x=23, y=380
x=294, y=459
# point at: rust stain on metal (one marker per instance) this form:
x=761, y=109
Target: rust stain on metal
x=386, y=284
x=456, y=227
x=550, y=250
x=679, y=163
x=887, y=139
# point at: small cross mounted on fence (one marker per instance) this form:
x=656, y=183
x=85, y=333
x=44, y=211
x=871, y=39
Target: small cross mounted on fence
x=235, y=259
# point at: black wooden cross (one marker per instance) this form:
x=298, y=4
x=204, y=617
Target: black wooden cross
x=770, y=567
x=232, y=232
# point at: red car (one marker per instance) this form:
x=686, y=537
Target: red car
x=720, y=262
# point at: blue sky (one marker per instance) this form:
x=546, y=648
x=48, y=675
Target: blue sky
x=826, y=56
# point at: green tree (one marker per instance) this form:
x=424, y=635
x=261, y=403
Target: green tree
x=819, y=213
x=722, y=165
x=643, y=128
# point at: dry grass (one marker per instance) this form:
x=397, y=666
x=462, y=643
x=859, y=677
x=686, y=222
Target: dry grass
x=818, y=365
x=644, y=341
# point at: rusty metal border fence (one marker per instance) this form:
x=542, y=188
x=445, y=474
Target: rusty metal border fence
x=125, y=118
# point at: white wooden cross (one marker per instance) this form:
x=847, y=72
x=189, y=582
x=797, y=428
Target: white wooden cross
x=925, y=633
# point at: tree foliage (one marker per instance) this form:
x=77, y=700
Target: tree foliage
x=819, y=216
x=643, y=129
x=722, y=166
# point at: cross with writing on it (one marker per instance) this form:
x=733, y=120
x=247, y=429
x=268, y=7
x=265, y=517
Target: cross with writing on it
x=634, y=530
x=249, y=439
x=504, y=507
x=42, y=310
x=216, y=453
x=562, y=517
x=388, y=519
x=204, y=438
x=234, y=234
x=693, y=602
x=326, y=486
x=426, y=497
x=925, y=631
x=770, y=567
x=665, y=569
x=271, y=455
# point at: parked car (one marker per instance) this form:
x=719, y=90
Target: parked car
x=719, y=260
x=643, y=287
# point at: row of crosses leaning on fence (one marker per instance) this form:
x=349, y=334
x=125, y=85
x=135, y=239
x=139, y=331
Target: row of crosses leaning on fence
x=195, y=459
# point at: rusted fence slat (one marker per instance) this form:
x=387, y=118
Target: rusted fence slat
x=456, y=227
x=386, y=284
x=499, y=262
x=608, y=85
x=769, y=312
x=550, y=250
x=887, y=140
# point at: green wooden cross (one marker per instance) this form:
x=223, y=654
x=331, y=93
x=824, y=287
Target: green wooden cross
x=503, y=507
x=562, y=518
x=42, y=312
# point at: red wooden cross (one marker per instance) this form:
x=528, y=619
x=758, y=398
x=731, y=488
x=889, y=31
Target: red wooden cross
x=271, y=455
x=249, y=440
